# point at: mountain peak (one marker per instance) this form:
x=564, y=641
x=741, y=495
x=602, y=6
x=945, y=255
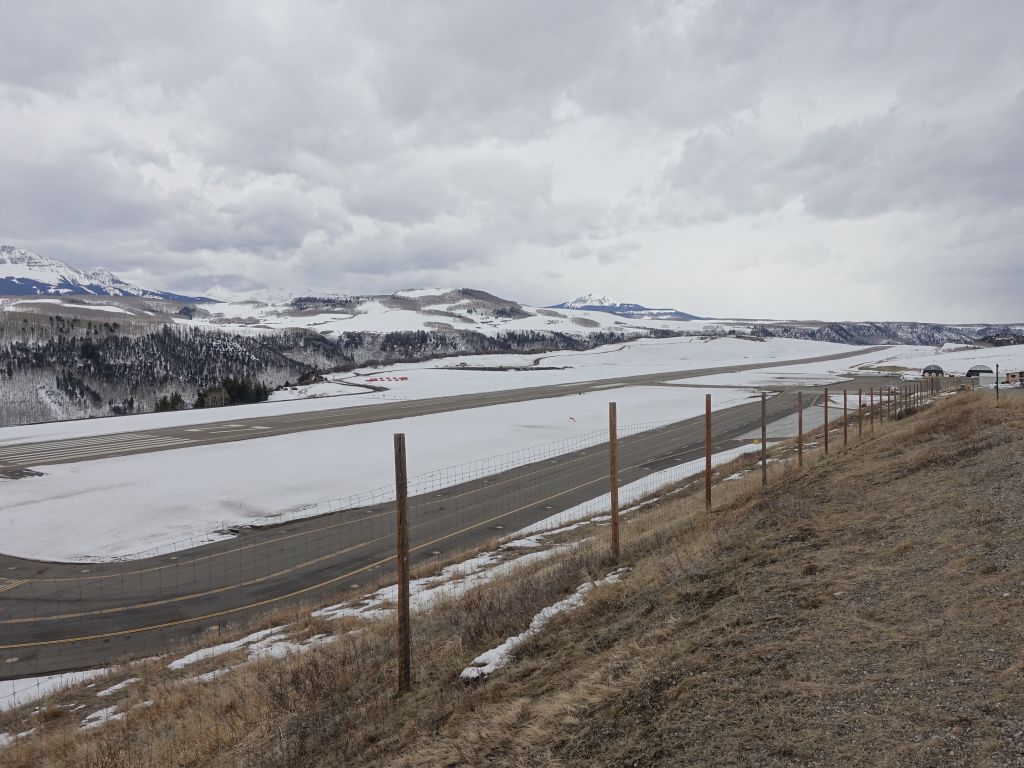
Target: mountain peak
x=24, y=273
x=225, y=295
x=590, y=300
x=596, y=303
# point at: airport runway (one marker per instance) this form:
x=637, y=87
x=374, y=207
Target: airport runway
x=63, y=616
x=16, y=458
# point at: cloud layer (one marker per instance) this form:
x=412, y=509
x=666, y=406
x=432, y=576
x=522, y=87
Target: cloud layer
x=817, y=159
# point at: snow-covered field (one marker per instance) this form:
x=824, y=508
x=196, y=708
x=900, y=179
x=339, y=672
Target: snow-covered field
x=117, y=507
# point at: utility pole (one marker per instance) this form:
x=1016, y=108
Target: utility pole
x=997, y=382
x=860, y=413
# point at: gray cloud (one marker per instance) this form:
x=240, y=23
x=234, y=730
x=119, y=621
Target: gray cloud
x=716, y=155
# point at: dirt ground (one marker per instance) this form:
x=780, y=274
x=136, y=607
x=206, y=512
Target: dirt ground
x=866, y=613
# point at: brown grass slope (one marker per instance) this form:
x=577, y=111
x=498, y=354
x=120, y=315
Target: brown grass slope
x=868, y=612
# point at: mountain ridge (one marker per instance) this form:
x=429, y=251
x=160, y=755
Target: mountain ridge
x=25, y=273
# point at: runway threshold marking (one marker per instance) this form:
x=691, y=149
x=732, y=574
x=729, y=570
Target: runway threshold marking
x=8, y=584
x=28, y=454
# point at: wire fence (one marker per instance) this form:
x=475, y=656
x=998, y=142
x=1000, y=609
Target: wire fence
x=546, y=514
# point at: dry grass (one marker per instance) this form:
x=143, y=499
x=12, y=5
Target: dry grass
x=862, y=612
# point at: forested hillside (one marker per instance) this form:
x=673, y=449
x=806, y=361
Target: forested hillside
x=58, y=367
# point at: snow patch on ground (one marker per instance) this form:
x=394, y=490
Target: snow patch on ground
x=266, y=643
x=219, y=650
x=17, y=693
x=490, y=661
x=208, y=677
x=118, y=687
x=276, y=648
x=454, y=581
x=102, y=717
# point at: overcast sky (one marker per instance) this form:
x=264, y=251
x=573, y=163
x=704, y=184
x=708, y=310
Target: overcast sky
x=798, y=159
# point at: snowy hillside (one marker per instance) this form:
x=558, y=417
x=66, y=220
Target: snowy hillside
x=23, y=273
x=429, y=309
x=73, y=356
x=930, y=334
x=594, y=303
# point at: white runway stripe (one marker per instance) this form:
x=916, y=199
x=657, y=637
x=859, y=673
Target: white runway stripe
x=55, y=447
x=101, y=440
x=40, y=454
x=100, y=448
x=93, y=439
x=30, y=461
x=41, y=461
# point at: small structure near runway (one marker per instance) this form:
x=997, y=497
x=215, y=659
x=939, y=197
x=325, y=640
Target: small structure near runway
x=933, y=370
x=977, y=371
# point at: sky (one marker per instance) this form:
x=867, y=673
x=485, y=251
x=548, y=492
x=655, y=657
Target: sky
x=817, y=159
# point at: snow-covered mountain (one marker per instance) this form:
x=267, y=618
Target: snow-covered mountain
x=594, y=303
x=224, y=295
x=23, y=273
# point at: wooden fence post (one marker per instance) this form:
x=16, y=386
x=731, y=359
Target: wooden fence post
x=764, y=438
x=846, y=421
x=860, y=413
x=800, y=429
x=613, y=476
x=402, y=524
x=871, y=407
x=707, y=452
x=826, y=421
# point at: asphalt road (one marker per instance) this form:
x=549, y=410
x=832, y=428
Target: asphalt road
x=62, y=616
